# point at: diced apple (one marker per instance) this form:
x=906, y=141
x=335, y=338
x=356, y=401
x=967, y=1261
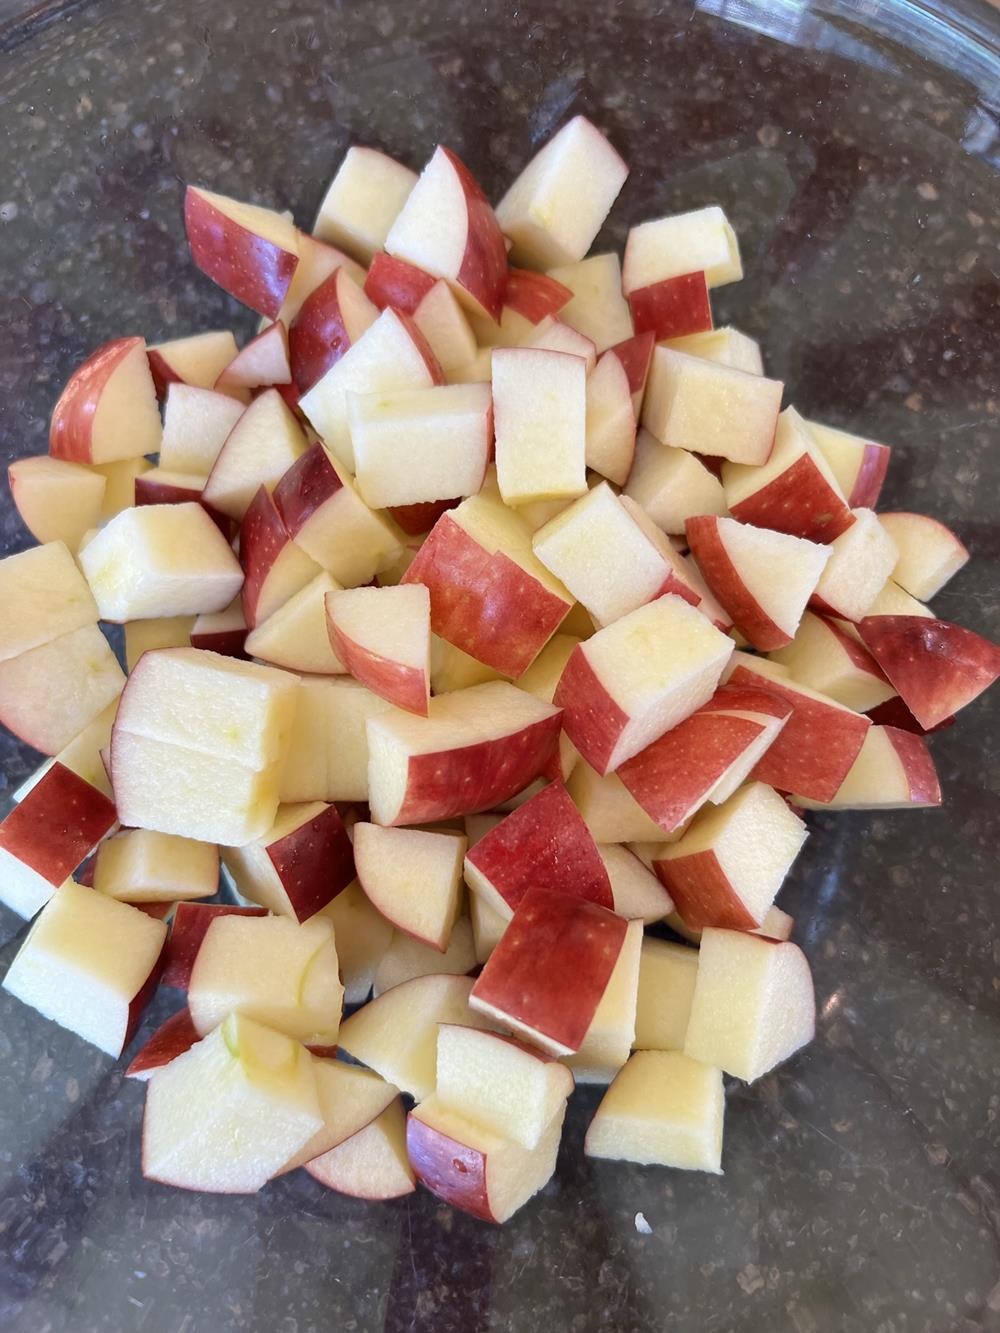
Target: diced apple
x=474, y=750
x=262, y=362
x=275, y=567
x=557, y=205
x=83, y=754
x=406, y=958
x=727, y=346
x=552, y=335
x=171, y=1039
x=667, y=975
x=893, y=601
x=119, y=486
x=299, y=865
x=318, y=260
x=539, y=400
x=609, y=1038
x=672, y=308
x=893, y=771
x=672, y=485
x=258, y=451
x=139, y=866
x=330, y=319
x=546, y=977
x=531, y=296
x=372, y=1164
x=89, y=964
x=197, y=360
x=396, y=283
x=250, y=252
x=754, y=1004
x=362, y=935
x=859, y=465
x=327, y=756
x=861, y=559
x=350, y=1100
x=363, y=201
x=159, y=486
x=610, y=424
x=295, y=635
x=699, y=242
x=222, y=632
x=413, y=877
x=107, y=411
x=691, y=403
x=824, y=656
x=542, y=679
x=187, y=931
x=929, y=553
x=44, y=596
x=636, y=356
x=597, y=309
x=440, y=318
x=58, y=501
x=638, y=895
x=49, y=694
x=609, y=810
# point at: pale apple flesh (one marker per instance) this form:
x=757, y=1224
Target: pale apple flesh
x=893, y=771
x=413, y=877
x=929, y=553
x=299, y=866
x=667, y=975
x=406, y=957
x=371, y=1164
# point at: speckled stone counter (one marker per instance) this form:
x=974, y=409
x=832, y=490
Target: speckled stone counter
x=862, y=1180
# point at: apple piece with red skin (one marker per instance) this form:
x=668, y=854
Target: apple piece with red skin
x=548, y=974
x=47, y=835
x=448, y=228
x=197, y=360
x=261, y=363
x=414, y=878
x=824, y=656
x=894, y=713
x=171, y=1039
x=317, y=260
x=275, y=568
x=936, y=667
x=394, y=282
x=705, y=757
x=295, y=636
x=329, y=321
x=475, y=749
x=609, y=809
x=57, y=500
x=859, y=465
x=224, y=632
x=534, y=295
x=107, y=410
x=188, y=929
x=543, y=844
x=929, y=553
x=817, y=745
x=382, y=635
x=299, y=866
x=701, y=241
x=416, y=519
x=727, y=346
x=265, y=442
x=861, y=560
x=672, y=308
x=363, y=200
x=893, y=771
x=636, y=356
x=597, y=309
x=250, y=252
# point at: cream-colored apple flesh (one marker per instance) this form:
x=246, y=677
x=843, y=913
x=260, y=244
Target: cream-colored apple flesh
x=413, y=877
x=406, y=958
x=667, y=975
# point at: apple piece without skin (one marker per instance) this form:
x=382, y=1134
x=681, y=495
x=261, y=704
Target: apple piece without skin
x=861, y=559
x=490, y=595
x=667, y=975
x=382, y=635
x=638, y=895
x=416, y=445
x=817, y=745
x=728, y=866
x=224, y=1116
x=187, y=931
x=893, y=771
x=295, y=636
x=396, y=1034
x=451, y=669
x=144, y=636
x=824, y=656
x=171, y=1039
x=258, y=451
x=540, y=407
x=639, y=677
x=859, y=465
x=327, y=757
x=929, y=553
x=413, y=877
x=372, y=1164
x=663, y=1109
x=89, y=964
x=197, y=360
x=727, y=346
x=263, y=361
x=160, y=560
x=937, y=667
x=299, y=866
x=754, y=1004
x=107, y=411
x=350, y=1099
x=275, y=567
x=738, y=562
x=47, y=835
x=893, y=601
x=556, y=206
x=672, y=485
x=610, y=423
x=271, y=969
x=406, y=958
x=794, y=491
x=58, y=501
x=543, y=844
x=552, y=335
x=609, y=1038
x=546, y=977
x=363, y=201
x=334, y=316
x=474, y=750
x=250, y=252
x=362, y=936
x=440, y=318
x=222, y=632
x=138, y=866
x=691, y=403
x=44, y=596
x=698, y=242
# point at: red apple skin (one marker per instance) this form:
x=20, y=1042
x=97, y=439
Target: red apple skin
x=814, y=751
x=263, y=537
x=191, y=921
x=552, y=965
x=534, y=295
x=228, y=643
x=452, y=1170
x=57, y=824
x=73, y=416
x=317, y=336
x=314, y=862
x=177, y=1035
x=163, y=493
x=672, y=776
x=255, y=271
x=405, y=686
x=591, y=718
x=702, y=892
x=162, y=371
x=142, y=997
x=543, y=844
x=799, y=501
x=483, y=271
x=636, y=354
x=870, y=478
x=485, y=604
x=306, y=486
x=727, y=586
x=936, y=667
x=158, y=911
x=479, y=776
x=918, y=766
x=857, y=652
x=394, y=282
x=894, y=713
x=672, y=308
x=416, y=519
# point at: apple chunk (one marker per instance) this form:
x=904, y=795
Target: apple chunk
x=371, y=1164
x=227, y=1114
x=294, y=636
x=893, y=771
x=667, y=975
x=609, y=1037
x=171, y=1039
x=264, y=443
x=638, y=894
x=824, y=656
x=540, y=406
x=413, y=877
x=196, y=424
x=187, y=931
x=107, y=411
x=929, y=553
x=350, y=1099
x=144, y=636
x=139, y=866
x=406, y=958
x=382, y=635
x=754, y=1004
x=363, y=201
x=698, y=242
x=44, y=596
x=331, y=318
x=57, y=500
x=672, y=485
x=859, y=465
x=299, y=865
x=663, y=1109
x=197, y=360
x=327, y=757
x=251, y=252
x=597, y=309
x=861, y=560
x=362, y=935
x=728, y=866
x=727, y=346
x=89, y=964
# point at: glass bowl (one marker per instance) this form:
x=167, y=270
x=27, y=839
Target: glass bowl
x=855, y=147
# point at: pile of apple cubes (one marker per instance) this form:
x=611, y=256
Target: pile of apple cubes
x=448, y=537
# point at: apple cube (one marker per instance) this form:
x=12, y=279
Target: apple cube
x=363, y=201
x=754, y=1004
x=893, y=601
x=609, y=1038
x=709, y=408
x=557, y=205
x=330, y=319
x=223, y=632
x=610, y=422
x=663, y=1109
x=893, y=771
x=350, y=1099
x=667, y=975
x=738, y=562
x=371, y=1164
x=299, y=865
x=539, y=401
x=672, y=485
x=171, y=1039
x=547, y=976
x=58, y=501
x=929, y=553
x=727, y=346
x=227, y=1114
x=699, y=242
x=382, y=635
x=413, y=877
x=639, y=677
x=474, y=750
x=672, y=308
x=250, y=252
x=451, y=669
x=638, y=895
x=139, y=866
x=861, y=559
x=263, y=361
x=396, y=1034
x=107, y=411
x=824, y=656
x=197, y=360
x=859, y=465
x=275, y=567
x=327, y=756
x=89, y=964
x=609, y=810
x=295, y=635
x=187, y=931
x=362, y=936
x=543, y=844
x=273, y=970
x=597, y=308
x=44, y=596
x=258, y=451
x=636, y=356
x=406, y=958
x=552, y=335
x=440, y=318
